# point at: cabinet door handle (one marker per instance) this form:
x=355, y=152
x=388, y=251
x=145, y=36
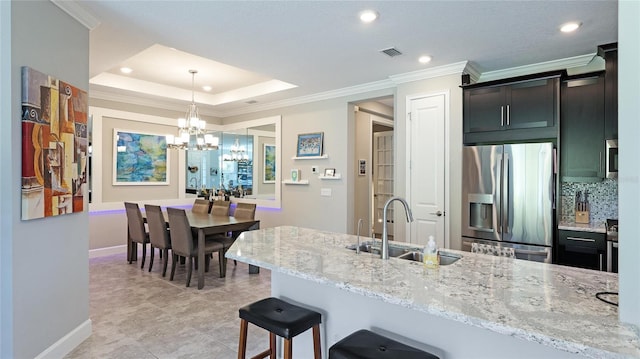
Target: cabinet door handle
x=581, y=239
x=501, y=116
x=600, y=162
x=508, y=116
x=600, y=261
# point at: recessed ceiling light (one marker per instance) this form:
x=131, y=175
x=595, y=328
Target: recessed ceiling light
x=425, y=59
x=126, y=70
x=570, y=26
x=206, y=88
x=368, y=16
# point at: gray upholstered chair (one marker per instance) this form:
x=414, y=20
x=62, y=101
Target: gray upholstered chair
x=183, y=244
x=220, y=208
x=200, y=206
x=242, y=211
x=158, y=235
x=136, y=231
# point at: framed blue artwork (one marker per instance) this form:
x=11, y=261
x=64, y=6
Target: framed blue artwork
x=139, y=159
x=310, y=144
x=269, y=164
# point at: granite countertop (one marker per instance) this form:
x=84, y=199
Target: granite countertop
x=583, y=227
x=548, y=304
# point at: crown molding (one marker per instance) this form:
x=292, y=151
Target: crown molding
x=445, y=70
x=327, y=95
x=473, y=72
x=77, y=12
x=560, y=64
x=148, y=102
x=391, y=82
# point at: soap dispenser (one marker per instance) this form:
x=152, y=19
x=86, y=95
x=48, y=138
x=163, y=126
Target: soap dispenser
x=430, y=254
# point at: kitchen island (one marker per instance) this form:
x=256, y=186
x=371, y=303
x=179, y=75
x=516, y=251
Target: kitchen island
x=478, y=307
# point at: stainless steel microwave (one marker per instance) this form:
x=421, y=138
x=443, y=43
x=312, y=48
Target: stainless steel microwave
x=612, y=158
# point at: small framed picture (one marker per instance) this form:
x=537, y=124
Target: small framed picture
x=329, y=172
x=362, y=167
x=295, y=175
x=310, y=144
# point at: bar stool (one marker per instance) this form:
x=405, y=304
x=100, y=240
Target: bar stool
x=282, y=319
x=365, y=344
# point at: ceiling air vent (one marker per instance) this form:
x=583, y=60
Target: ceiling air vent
x=391, y=52
x=251, y=102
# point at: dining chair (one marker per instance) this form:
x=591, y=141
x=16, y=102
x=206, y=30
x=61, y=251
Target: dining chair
x=158, y=235
x=220, y=208
x=183, y=244
x=242, y=211
x=137, y=232
x=200, y=206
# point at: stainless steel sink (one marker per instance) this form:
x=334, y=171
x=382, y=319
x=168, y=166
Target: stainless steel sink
x=394, y=250
x=446, y=258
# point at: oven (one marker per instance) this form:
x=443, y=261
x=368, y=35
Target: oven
x=612, y=158
x=612, y=245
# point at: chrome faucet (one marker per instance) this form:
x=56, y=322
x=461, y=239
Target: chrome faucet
x=384, y=251
x=358, y=234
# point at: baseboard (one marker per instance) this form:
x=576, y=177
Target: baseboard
x=107, y=251
x=67, y=343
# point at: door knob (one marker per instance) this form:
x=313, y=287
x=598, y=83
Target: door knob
x=437, y=213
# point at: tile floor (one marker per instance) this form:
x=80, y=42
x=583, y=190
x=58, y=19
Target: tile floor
x=137, y=314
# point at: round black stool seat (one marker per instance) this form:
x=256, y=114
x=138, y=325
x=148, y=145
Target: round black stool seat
x=365, y=344
x=279, y=317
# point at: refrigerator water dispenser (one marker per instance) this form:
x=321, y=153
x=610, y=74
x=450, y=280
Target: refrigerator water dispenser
x=481, y=212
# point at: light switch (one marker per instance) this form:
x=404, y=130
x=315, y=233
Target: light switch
x=325, y=192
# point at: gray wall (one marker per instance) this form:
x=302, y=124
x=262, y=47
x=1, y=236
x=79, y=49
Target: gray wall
x=45, y=281
x=6, y=185
x=302, y=205
x=629, y=176
x=119, y=193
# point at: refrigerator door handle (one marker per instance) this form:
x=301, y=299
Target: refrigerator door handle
x=506, y=195
x=498, y=195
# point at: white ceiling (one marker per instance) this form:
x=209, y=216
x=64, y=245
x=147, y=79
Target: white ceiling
x=304, y=48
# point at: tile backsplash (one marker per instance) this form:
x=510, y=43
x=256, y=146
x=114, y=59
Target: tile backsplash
x=603, y=200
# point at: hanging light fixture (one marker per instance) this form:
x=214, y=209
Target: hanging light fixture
x=238, y=153
x=191, y=129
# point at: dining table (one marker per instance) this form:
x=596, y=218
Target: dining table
x=205, y=224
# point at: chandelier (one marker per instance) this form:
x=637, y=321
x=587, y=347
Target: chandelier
x=191, y=129
x=238, y=153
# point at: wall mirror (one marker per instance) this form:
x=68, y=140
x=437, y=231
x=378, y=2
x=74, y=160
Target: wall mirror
x=246, y=165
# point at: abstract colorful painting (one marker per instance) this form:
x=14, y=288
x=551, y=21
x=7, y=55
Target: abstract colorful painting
x=269, y=164
x=139, y=159
x=54, y=146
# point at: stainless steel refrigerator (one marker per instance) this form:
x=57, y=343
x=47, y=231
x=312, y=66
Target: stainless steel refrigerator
x=508, y=198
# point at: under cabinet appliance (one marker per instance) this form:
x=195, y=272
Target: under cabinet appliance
x=508, y=198
x=612, y=158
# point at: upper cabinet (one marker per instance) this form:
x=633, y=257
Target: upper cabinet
x=582, y=128
x=517, y=109
x=610, y=54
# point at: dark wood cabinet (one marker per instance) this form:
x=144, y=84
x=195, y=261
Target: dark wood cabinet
x=516, y=109
x=484, y=109
x=582, y=249
x=582, y=128
x=610, y=54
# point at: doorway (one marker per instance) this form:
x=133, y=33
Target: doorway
x=374, y=165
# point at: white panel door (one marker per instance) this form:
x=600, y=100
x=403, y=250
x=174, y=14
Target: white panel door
x=427, y=169
x=382, y=180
